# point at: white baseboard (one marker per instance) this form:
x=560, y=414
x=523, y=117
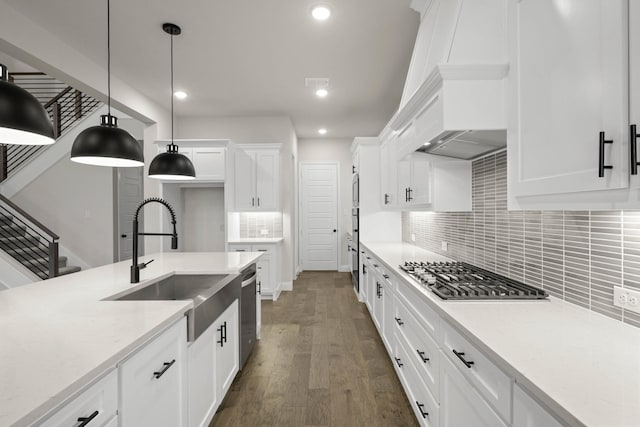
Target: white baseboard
x=344, y=269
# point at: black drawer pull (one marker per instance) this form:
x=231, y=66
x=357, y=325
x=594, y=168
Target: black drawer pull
x=399, y=321
x=385, y=276
x=633, y=141
x=167, y=365
x=263, y=250
x=601, y=165
x=86, y=420
x=460, y=356
x=375, y=265
x=420, y=406
x=239, y=250
x=400, y=364
x=421, y=354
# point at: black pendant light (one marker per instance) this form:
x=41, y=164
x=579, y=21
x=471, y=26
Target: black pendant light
x=172, y=165
x=107, y=145
x=23, y=119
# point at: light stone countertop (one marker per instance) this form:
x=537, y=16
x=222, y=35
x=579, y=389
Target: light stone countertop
x=257, y=240
x=581, y=364
x=58, y=336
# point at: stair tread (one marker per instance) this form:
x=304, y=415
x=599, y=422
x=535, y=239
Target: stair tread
x=68, y=270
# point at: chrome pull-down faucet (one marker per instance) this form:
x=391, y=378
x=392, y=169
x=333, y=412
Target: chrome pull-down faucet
x=135, y=267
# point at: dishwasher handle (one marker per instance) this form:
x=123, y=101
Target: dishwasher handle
x=250, y=279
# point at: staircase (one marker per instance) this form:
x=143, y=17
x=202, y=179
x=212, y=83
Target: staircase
x=23, y=237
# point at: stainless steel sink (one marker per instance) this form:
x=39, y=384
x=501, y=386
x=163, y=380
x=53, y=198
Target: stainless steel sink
x=211, y=295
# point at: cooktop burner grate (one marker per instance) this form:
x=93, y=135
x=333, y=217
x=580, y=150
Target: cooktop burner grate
x=462, y=281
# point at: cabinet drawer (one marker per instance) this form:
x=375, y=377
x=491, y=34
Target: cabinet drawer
x=422, y=402
x=100, y=401
x=493, y=384
x=239, y=248
x=423, y=350
x=263, y=248
x=414, y=300
x=153, y=381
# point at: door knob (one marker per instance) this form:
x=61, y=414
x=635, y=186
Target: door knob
x=123, y=236
x=334, y=230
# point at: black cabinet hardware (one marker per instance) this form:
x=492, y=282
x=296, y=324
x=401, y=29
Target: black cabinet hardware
x=410, y=198
x=601, y=165
x=378, y=290
x=334, y=230
x=259, y=288
x=124, y=236
x=406, y=194
x=224, y=325
x=375, y=265
x=253, y=200
x=633, y=141
x=368, y=257
x=400, y=364
x=166, y=367
x=263, y=250
x=353, y=169
x=423, y=413
x=239, y=250
x=386, y=199
x=221, y=330
x=258, y=201
x=348, y=248
x=364, y=269
x=460, y=356
x=386, y=276
x=399, y=321
x=86, y=420
x=421, y=354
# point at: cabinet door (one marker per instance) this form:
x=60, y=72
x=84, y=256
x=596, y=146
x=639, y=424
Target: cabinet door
x=227, y=348
x=388, y=321
x=404, y=181
x=460, y=404
x=203, y=398
x=527, y=413
x=267, y=182
x=389, y=170
x=153, y=382
x=378, y=304
x=267, y=287
x=187, y=151
x=244, y=185
x=209, y=163
x=421, y=180
x=567, y=84
x=634, y=77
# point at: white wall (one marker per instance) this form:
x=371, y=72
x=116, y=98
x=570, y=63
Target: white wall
x=76, y=202
x=253, y=130
x=339, y=150
x=203, y=220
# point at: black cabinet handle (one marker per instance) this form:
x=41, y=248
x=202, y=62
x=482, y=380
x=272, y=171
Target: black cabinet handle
x=124, y=236
x=410, y=196
x=263, y=250
x=406, y=194
x=386, y=199
x=253, y=201
x=601, y=165
x=385, y=276
x=460, y=356
x=166, y=367
x=421, y=354
x=224, y=325
x=633, y=141
x=258, y=201
x=353, y=169
x=378, y=290
x=86, y=420
x=423, y=413
x=400, y=364
x=399, y=321
x=364, y=269
x=221, y=330
x=375, y=265
x=239, y=250
x=258, y=289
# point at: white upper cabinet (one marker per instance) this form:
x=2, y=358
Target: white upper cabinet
x=257, y=179
x=209, y=156
x=389, y=174
x=568, y=129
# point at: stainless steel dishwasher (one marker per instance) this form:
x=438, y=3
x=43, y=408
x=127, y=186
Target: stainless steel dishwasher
x=247, y=313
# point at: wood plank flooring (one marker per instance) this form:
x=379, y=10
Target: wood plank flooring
x=320, y=362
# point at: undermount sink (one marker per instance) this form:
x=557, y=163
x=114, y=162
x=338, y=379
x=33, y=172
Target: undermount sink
x=210, y=294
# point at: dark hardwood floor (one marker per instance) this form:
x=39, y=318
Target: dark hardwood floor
x=320, y=362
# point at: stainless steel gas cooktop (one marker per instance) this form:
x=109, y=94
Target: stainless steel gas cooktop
x=462, y=281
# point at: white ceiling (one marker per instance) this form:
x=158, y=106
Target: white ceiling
x=250, y=57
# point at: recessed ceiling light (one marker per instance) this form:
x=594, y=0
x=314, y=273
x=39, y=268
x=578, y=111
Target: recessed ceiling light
x=321, y=93
x=180, y=94
x=322, y=131
x=321, y=12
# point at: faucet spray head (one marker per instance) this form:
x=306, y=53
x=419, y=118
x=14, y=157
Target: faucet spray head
x=174, y=242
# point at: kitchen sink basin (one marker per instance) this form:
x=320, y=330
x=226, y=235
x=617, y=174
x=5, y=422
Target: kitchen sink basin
x=211, y=294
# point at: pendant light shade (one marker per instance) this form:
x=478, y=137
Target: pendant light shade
x=107, y=145
x=23, y=119
x=172, y=165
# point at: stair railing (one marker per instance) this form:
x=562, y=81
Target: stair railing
x=64, y=104
x=27, y=240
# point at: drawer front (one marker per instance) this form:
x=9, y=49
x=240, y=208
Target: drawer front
x=153, y=381
x=99, y=404
x=493, y=384
x=423, y=350
x=414, y=300
x=270, y=249
x=422, y=402
x=239, y=248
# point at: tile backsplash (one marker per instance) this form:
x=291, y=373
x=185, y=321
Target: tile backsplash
x=252, y=223
x=578, y=256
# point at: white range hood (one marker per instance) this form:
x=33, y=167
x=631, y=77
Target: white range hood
x=455, y=93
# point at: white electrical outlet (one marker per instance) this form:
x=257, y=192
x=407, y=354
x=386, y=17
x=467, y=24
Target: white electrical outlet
x=445, y=246
x=413, y=237
x=626, y=298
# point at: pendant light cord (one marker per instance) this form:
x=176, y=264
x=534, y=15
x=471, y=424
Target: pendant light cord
x=172, y=89
x=109, y=57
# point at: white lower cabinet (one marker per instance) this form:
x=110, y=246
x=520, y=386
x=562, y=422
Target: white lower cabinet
x=460, y=404
x=227, y=355
x=528, y=413
x=268, y=266
x=203, y=391
x=97, y=406
x=153, y=382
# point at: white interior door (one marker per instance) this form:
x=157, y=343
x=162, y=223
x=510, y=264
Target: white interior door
x=319, y=188
x=129, y=195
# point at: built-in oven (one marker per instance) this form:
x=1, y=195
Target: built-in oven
x=355, y=248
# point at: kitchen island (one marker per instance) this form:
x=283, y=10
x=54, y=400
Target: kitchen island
x=60, y=335
x=581, y=366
